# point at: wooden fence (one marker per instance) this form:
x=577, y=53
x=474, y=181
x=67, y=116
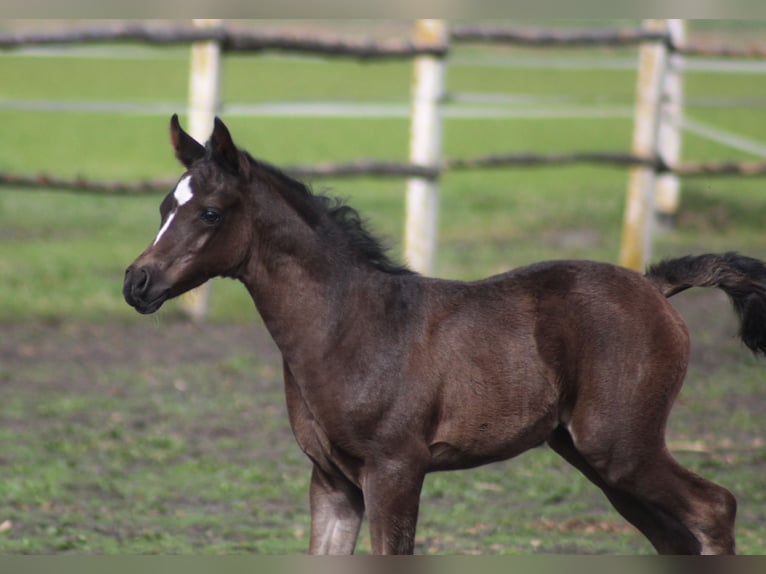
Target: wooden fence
x=653, y=162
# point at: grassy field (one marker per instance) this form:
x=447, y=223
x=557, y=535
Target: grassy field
x=128, y=434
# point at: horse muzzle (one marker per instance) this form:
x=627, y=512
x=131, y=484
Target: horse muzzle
x=144, y=289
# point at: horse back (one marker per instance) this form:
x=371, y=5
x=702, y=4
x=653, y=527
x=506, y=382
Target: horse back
x=585, y=315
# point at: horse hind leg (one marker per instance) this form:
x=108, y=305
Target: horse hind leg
x=679, y=511
x=706, y=509
x=617, y=426
x=667, y=535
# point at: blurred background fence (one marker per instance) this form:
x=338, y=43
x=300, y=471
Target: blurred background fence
x=653, y=162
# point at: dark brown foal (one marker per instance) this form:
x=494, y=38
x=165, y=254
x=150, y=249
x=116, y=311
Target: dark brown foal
x=390, y=375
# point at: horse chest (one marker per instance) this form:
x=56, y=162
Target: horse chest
x=312, y=434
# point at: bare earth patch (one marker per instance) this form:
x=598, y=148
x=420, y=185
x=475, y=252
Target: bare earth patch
x=162, y=436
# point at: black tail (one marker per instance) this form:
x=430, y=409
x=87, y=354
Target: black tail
x=742, y=278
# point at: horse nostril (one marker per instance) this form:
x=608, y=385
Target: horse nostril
x=142, y=282
x=145, y=288
x=137, y=281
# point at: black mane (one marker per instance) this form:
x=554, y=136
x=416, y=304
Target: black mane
x=318, y=210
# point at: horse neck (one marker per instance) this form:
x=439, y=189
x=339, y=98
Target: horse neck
x=297, y=283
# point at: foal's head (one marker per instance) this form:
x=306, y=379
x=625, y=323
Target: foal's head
x=205, y=230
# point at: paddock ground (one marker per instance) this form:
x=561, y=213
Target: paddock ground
x=156, y=436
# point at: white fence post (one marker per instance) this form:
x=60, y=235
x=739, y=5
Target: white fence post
x=422, y=204
x=635, y=250
x=204, y=104
x=668, y=185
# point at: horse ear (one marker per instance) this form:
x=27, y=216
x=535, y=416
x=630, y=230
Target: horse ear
x=225, y=153
x=188, y=150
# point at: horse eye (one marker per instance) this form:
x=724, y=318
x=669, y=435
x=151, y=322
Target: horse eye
x=211, y=216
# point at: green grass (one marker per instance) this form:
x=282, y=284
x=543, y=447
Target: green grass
x=113, y=446
x=77, y=246
x=121, y=475
x=114, y=441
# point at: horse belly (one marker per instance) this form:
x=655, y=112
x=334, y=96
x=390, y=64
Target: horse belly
x=483, y=423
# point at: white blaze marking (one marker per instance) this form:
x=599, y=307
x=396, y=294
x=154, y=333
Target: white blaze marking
x=165, y=226
x=182, y=194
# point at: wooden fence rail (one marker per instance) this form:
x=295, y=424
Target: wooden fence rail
x=376, y=168
x=563, y=37
x=236, y=39
x=230, y=40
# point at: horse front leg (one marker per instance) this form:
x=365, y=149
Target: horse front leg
x=392, y=498
x=337, y=507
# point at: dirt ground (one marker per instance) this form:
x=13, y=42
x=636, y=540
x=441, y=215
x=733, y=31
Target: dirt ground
x=174, y=341
x=169, y=343
x=713, y=420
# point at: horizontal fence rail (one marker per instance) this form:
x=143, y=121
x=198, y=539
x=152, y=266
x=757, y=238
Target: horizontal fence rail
x=233, y=39
x=698, y=49
x=230, y=39
x=375, y=168
x=600, y=37
x=564, y=37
